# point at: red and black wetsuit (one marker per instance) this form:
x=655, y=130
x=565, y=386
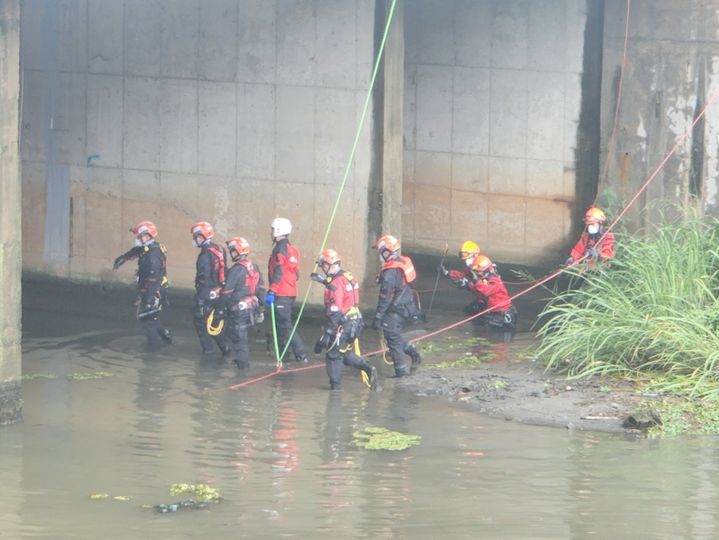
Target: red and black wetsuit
x=283, y=273
x=395, y=305
x=344, y=326
x=209, y=280
x=241, y=298
x=605, y=248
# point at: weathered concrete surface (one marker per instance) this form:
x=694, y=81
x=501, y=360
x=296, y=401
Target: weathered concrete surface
x=233, y=111
x=10, y=223
x=492, y=105
x=672, y=71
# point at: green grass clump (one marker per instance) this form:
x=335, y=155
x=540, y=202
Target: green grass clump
x=654, y=311
x=378, y=438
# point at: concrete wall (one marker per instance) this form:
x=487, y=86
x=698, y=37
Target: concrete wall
x=672, y=70
x=232, y=111
x=10, y=229
x=493, y=92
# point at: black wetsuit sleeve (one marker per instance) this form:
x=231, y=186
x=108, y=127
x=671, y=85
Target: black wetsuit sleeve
x=389, y=282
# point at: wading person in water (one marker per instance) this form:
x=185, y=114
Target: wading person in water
x=344, y=321
x=396, y=304
x=480, y=276
x=241, y=299
x=283, y=273
x=151, y=280
x=589, y=243
x=209, y=280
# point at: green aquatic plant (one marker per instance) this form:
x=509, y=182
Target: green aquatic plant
x=654, y=311
x=685, y=417
x=202, y=491
x=31, y=376
x=87, y=375
x=466, y=361
x=379, y=438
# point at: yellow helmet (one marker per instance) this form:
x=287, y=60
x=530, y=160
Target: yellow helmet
x=468, y=250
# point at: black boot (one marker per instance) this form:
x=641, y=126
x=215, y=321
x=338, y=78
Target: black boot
x=373, y=377
x=416, y=358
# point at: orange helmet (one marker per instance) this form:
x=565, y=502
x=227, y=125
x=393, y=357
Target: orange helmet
x=468, y=249
x=483, y=264
x=594, y=215
x=144, y=227
x=327, y=258
x=238, y=247
x=387, y=243
x=202, y=228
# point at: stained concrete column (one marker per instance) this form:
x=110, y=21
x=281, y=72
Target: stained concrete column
x=393, y=129
x=10, y=208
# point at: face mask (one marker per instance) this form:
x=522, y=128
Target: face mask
x=593, y=228
x=194, y=243
x=138, y=242
x=468, y=262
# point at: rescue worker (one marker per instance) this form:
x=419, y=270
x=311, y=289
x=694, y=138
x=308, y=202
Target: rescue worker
x=240, y=299
x=396, y=303
x=151, y=280
x=344, y=321
x=283, y=273
x=481, y=278
x=589, y=242
x=209, y=280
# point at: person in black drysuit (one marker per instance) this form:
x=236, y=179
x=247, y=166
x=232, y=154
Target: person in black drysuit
x=241, y=299
x=209, y=280
x=151, y=281
x=396, y=304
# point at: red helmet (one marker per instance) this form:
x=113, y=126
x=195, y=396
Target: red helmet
x=238, y=247
x=387, y=243
x=202, y=228
x=144, y=227
x=594, y=215
x=327, y=258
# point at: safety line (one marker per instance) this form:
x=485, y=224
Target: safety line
x=358, y=133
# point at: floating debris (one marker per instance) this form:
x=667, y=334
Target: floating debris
x=87, y=375
x=188, y=504
x=202, y=491
x=31, y=376
x=378, y=438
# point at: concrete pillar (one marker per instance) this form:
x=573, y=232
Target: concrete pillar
x=10, y=225
x=393, y=130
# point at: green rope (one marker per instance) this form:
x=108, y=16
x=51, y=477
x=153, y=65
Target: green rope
x=274, y=336
x=347, y=169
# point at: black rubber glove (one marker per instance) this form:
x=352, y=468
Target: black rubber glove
x=569, y=261
x=119, y=262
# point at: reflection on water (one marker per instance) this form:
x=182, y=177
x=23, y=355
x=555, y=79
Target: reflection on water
x=281, y=452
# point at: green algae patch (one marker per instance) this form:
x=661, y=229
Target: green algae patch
x=88, y=375
x=32, y=376
x=685, y=417
x=203, y=492
x=467, y=361
x=106, y=496
x=378, y=438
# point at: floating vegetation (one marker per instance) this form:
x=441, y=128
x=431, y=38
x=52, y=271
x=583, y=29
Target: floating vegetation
x=467, y=361
x=679, y=417
x=202, y=491
x=104, y=496
x=31, y=376
x=378, y=438
x=87, y=375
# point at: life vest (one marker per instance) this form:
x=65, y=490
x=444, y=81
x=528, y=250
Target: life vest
x=283, y=269
x=342, y=294
x=219, y=263
x=404, y=264
x=253, y=276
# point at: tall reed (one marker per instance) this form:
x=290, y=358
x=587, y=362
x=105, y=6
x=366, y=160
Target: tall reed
x=653, y=311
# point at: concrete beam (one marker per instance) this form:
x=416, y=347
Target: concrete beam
x=10, y=212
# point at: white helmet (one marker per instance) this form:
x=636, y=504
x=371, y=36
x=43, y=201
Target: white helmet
x=281, y=227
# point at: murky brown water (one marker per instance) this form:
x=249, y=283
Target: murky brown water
x=281, y=452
